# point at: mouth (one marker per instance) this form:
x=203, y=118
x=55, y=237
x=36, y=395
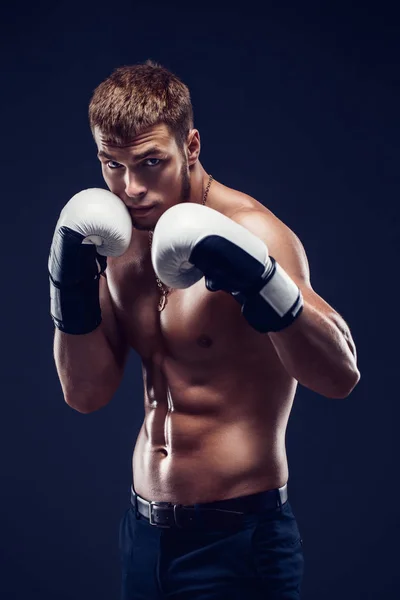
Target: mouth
x=141, y=212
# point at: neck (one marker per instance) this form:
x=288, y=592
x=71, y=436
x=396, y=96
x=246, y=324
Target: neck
x=198, y=180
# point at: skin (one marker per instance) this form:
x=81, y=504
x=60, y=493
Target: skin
x=217, y=394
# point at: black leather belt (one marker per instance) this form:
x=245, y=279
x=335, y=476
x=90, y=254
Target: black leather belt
x=221, y=513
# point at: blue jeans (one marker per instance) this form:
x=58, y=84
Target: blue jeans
x=260, y=559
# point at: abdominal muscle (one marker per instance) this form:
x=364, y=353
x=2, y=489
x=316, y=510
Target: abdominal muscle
x=215, y=441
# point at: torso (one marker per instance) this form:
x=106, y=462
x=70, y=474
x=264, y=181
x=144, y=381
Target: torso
x=216, y=396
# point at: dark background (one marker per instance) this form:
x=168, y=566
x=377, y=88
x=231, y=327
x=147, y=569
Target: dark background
x=297, y=106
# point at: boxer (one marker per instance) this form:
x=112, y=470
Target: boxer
x=213, y=293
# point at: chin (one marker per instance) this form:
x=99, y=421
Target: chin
x=142, y=226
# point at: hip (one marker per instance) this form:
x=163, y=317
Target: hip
x=206, y=475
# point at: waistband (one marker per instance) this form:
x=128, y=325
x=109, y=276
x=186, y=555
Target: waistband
x=220, y=513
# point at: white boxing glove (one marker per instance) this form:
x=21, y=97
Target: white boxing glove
x=191, y=241
x=181, y=228
x=94, y=224
x=101, y=218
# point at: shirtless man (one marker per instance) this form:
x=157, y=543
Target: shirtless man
x=224, y=332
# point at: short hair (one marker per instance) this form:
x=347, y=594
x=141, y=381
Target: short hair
x=134, y=98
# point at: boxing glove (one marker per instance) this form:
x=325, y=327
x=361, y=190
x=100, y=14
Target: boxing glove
x=190, y=241
x=94, y=224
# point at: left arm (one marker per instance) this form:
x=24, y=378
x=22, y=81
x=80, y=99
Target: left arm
x=317, y=349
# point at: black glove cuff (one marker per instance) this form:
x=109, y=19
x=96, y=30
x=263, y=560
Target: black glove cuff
x=76, y=309
x=275, y=304
x=264, y=318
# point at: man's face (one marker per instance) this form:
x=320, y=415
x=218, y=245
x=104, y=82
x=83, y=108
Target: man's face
x=150, y=172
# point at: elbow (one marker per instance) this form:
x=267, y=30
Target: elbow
x=81, y=408
x=331, y=386
x=344, y=385
x=90, y=395
x=85, y=403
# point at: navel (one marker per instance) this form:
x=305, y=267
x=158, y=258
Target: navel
x=204, y=341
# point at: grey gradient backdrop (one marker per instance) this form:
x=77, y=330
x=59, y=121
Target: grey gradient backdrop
x=297, y=106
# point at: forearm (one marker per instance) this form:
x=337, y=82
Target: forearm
x=318, y=351
x=87, y=369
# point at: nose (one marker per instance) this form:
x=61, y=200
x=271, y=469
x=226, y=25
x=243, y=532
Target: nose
x=133, y=188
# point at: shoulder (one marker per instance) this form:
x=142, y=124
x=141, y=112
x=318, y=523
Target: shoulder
x=282, y=243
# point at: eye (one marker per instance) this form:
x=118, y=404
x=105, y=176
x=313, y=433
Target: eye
x=152, y=165
x=115, y=163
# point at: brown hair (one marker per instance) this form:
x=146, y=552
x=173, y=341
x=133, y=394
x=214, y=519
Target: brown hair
x=134, y=98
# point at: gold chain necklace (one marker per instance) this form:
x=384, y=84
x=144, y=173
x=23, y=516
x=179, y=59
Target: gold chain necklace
x=163, y=289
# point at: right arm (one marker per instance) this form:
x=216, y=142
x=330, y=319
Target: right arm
x=90, y=366
x=90, y=350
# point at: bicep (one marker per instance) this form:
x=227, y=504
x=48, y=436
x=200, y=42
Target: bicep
x=292, y=257
x=288, y=251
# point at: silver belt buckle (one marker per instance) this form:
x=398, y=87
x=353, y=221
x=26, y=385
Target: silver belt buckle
x=151, y=521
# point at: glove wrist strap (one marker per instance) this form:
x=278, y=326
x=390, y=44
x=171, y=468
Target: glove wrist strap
x=276, y=304
x=76, y=309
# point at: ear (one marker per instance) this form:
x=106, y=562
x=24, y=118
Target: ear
x=193, y=146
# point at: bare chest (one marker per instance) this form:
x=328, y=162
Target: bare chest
x=200, y=357
x=195, y=326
